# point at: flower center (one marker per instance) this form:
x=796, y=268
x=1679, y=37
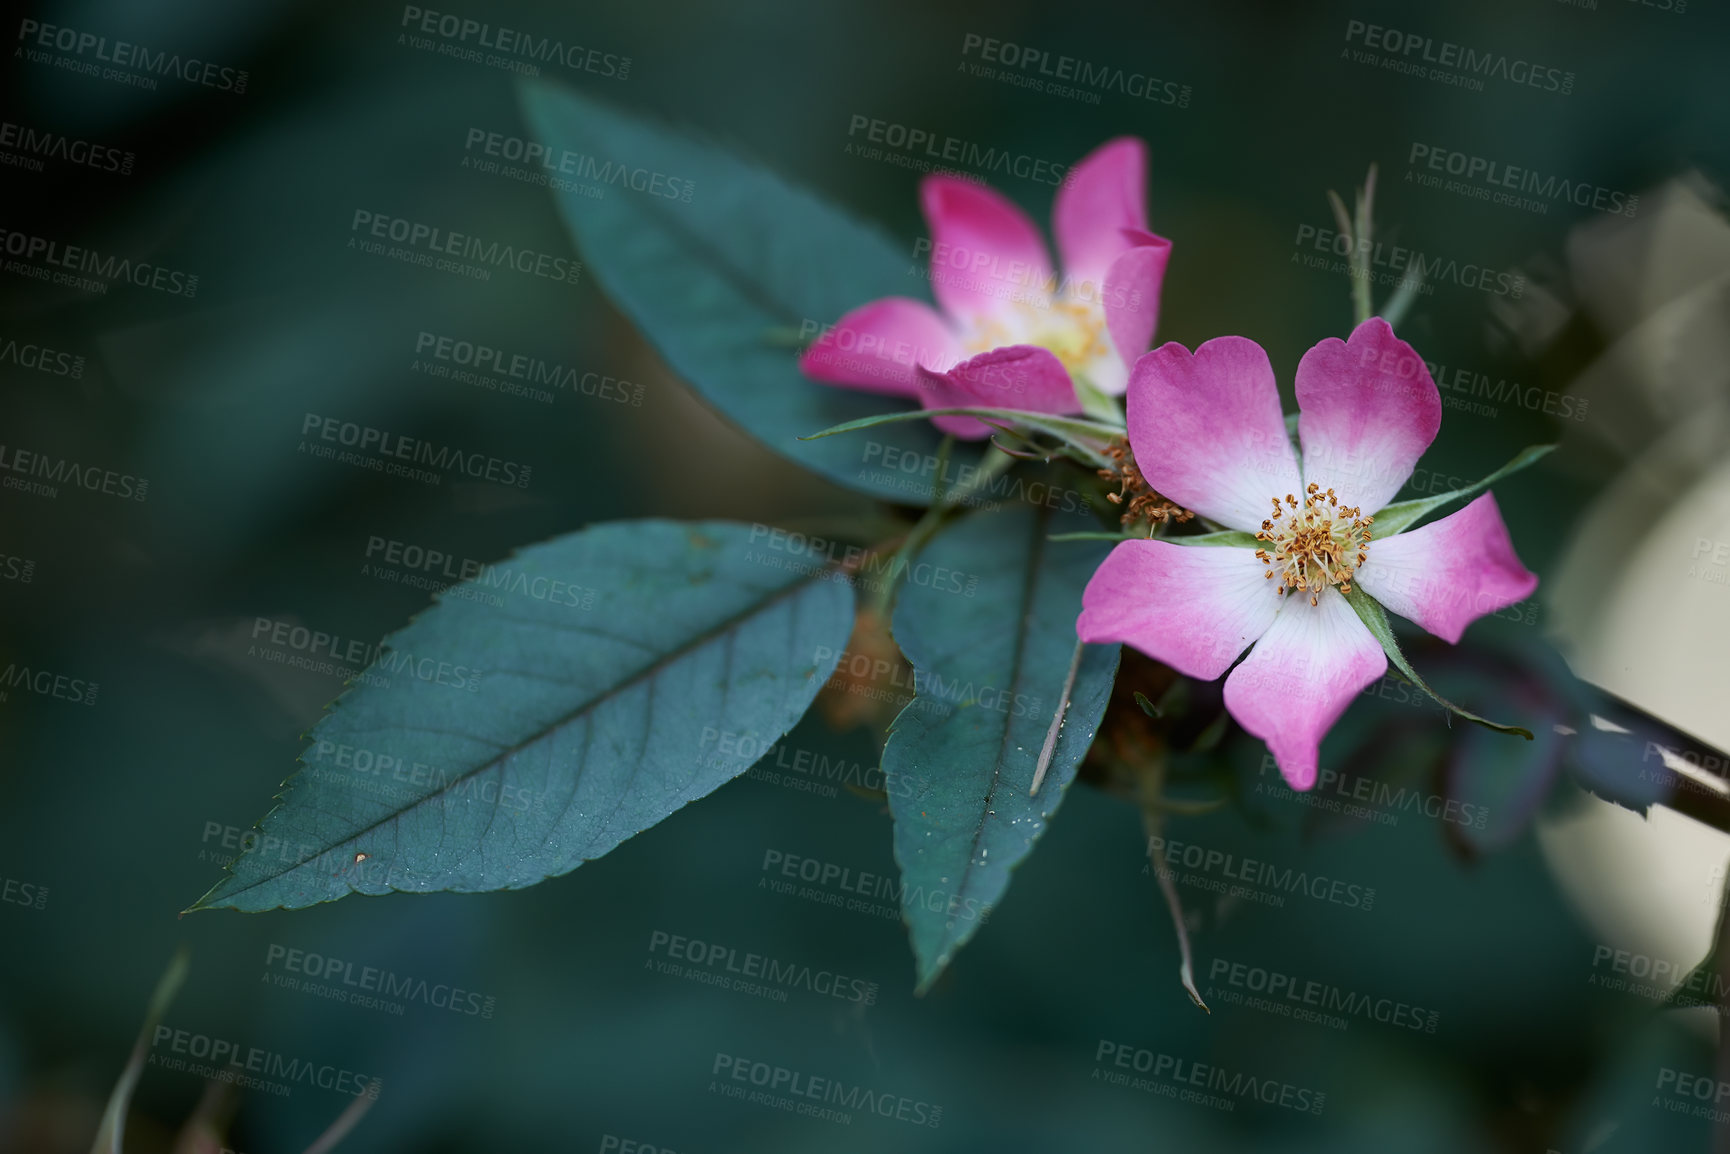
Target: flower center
x=1073, y=331
x=1320, y=544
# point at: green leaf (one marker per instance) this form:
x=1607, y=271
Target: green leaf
x=1371, y=613
x=989, y=672
x=1394, y=311
x=1400, y=516
x=1231, y=537
x=1503, y=782
x=1096, y=403
x=726, y=285
x=1057, y=426
x=543, y=712
x=1080, y=434
x=1096, y=535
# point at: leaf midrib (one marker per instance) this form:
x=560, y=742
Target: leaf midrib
x=968, y=872
x=649, y=671
x=1028, y=596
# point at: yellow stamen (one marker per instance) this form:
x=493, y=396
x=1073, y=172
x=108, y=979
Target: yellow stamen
x=1321, y=544
x=1074, y=331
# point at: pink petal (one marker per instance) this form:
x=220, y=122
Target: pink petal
x=1301, y=676
x=1131, y=295
x=1369, y=410
x=1024, y=377
x=877, y=346
x=1104, y=194
x=1207, y=430
x=1447, y=574
x=1194, y=607
x=984, y=251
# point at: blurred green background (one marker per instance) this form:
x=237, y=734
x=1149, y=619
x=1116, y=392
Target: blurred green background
x=111, y=806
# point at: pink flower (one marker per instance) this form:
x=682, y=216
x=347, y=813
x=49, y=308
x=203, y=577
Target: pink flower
x=1207, y=432
x=1011, y=335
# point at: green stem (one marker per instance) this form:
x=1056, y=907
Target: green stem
x=994, y=462
x=1363, y=306
x=1357, y=228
